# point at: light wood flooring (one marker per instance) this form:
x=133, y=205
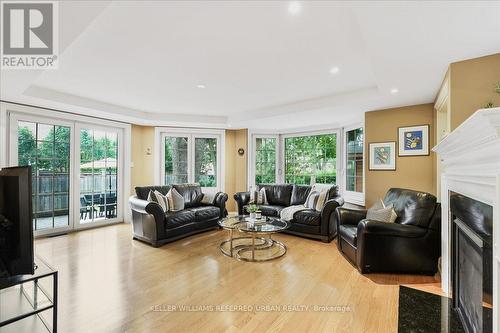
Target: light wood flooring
x=110, y=283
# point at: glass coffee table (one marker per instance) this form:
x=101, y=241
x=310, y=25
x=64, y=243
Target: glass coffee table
x=256, y=243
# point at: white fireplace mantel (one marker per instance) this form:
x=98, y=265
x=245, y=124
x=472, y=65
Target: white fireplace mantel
x=470, y=157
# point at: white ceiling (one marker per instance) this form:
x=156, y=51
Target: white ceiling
x=264, y=68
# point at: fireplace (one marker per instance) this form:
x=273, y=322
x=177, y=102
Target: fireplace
x=472, y=260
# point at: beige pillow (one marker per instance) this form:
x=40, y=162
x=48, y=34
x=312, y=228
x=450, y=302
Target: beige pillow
x=160, y=199
x=258, y=197
x=175, y=200
x=379, y=212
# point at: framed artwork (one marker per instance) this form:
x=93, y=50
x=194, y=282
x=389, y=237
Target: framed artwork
x=414, y=140
x=383, y=156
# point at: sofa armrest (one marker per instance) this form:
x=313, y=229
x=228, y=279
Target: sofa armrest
x=376, y=228
x=329, y=217
x=350, y=216
x=242, y=198
x=148, y=219
x=220, y=201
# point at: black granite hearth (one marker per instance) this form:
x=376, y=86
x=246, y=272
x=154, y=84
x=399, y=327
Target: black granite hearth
x=421, y=312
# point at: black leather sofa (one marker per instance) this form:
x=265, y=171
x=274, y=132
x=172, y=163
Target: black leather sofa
x=307, y=223
x=410, y=245
x=155, y=227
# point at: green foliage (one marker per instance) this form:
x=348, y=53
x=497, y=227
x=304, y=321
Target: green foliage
x=252, y=208
x=311, y=159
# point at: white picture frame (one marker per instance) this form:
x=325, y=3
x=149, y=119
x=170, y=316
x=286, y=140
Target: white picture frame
x=382, y=156
x=413, y=140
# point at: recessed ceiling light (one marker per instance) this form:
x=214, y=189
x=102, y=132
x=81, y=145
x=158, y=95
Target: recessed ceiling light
x=200, y=86
x=294, y=7
x=334, y=70
x=394, y=91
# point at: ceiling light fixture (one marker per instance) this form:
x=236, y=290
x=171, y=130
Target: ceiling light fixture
x=334, y=70
x=294, y=7
x=201, y=86
x=394, y=91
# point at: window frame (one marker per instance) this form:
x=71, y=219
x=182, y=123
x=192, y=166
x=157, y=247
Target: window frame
x=357, y=198
x=338, y=163
x=253, y=156
x=162, y=132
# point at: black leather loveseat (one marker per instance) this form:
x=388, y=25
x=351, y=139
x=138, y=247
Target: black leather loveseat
x=155, y=227
x=412, y=244
x=307, y=223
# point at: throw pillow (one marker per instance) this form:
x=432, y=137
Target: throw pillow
x=379, y=212
x=160, y=199
x=312, y=200
x=323, y=190
x=258, y=197
x=208, y=198
x=175, y=200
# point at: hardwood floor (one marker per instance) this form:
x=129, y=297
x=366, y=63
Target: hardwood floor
x=110, y=283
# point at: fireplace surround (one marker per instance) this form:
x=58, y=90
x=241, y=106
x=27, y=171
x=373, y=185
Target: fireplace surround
x=470, y=164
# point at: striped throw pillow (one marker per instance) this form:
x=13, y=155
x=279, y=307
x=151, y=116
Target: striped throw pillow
x=258, y=197
x=312, y=200
x=160, y=199
x=175, y=200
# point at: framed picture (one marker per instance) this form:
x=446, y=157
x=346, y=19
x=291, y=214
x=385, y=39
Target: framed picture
x=414, y=140
x=383, y=156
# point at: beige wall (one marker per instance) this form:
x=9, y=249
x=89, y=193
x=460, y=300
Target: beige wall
x=236, y=165
x=415, y=172
x=143, y=169
x=472, y=85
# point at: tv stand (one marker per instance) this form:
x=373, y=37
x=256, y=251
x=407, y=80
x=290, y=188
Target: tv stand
x=31, y=300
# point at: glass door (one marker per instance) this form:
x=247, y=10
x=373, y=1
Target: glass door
x=44, y=144
x=99, y=175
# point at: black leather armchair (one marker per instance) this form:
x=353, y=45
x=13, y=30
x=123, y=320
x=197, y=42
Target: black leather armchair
x=306, y=223
x=410, y=245
x=152, y=225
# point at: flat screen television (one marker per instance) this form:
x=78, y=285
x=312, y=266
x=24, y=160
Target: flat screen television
x=16, y=222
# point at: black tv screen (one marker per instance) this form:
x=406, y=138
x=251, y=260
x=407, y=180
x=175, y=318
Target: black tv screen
x=16, y=226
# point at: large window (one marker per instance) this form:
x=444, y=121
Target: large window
x=46, y=148
x=354, y=160
x=191, y=158
x=265, y=160
x=311, y=159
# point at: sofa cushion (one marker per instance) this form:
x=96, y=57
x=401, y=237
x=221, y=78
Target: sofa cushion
x=349, y=233
x=308, y=216
x=191, y=192
x=177, y=219
x=143, y=191
x=203, y=213
x=267, y=210
x=277, y=195
x=299, y=194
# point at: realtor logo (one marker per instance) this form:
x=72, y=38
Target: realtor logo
x=29, y=35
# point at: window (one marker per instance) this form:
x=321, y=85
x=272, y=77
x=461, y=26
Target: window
x=191, y=157
x=265, y=160
x=311, y=159
x=205, y=162
x=98, y=175
x=354, y=160
x=46, y=148
x=354, y=165
x=176, y=160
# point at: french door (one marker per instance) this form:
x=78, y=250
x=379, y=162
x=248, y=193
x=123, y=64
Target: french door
x=98, y=177
x=191, y=158
x=76, y=171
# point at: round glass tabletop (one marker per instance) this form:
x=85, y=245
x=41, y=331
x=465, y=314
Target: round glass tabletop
x=244, y=224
